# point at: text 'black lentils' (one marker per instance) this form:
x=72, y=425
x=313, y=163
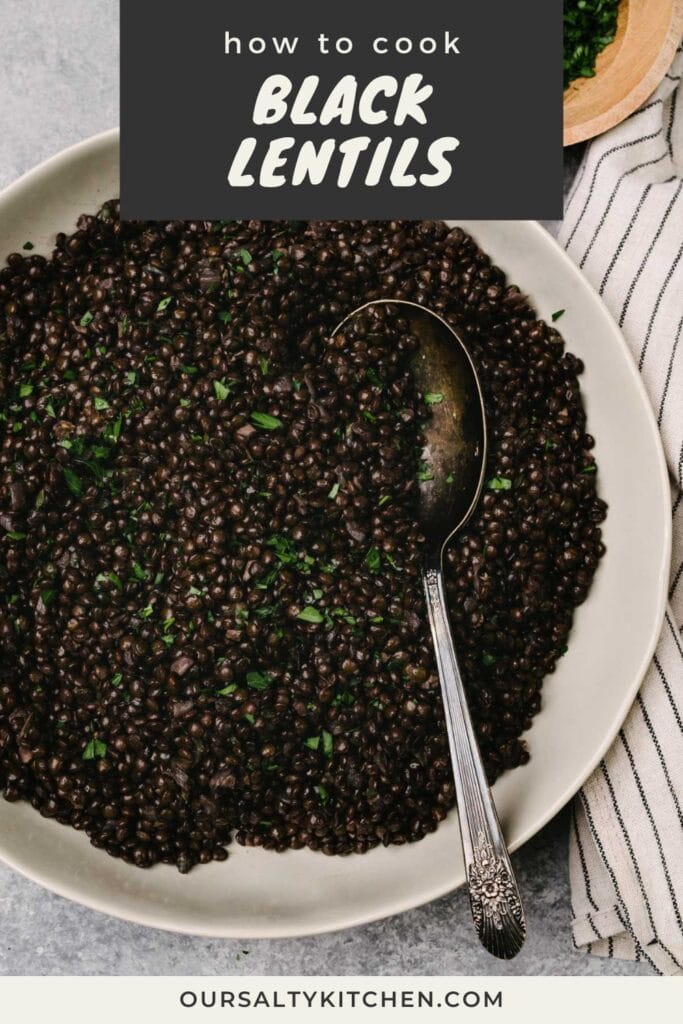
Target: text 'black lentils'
x=211, y=616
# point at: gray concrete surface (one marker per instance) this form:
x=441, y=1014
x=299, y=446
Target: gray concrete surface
x=59, y=84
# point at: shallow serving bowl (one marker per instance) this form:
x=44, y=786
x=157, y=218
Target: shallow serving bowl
x=256, y=893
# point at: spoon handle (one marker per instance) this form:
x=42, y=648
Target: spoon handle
x=494, y=896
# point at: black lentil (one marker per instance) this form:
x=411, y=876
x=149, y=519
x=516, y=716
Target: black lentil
x=211, y=617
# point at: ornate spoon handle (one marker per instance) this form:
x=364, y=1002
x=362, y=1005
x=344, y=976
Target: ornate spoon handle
x=494, y=897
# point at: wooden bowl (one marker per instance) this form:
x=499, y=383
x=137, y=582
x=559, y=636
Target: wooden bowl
x=627, y=71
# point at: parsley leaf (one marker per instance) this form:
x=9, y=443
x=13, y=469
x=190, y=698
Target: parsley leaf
x=73, y=481
x=258, y=680
x=265, y=421
x=112, y=431
x=373, y=560
x=95, y=748
x=499, y=483
x=310, y=614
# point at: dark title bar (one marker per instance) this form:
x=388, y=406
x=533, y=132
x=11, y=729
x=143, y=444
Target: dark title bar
x=354, y=110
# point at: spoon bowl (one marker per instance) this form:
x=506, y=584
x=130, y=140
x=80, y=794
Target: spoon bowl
x=454, y=454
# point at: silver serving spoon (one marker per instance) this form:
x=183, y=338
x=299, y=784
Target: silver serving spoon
x=454, y=459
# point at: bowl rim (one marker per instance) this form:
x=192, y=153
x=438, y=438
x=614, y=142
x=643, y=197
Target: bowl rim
x=104, y=904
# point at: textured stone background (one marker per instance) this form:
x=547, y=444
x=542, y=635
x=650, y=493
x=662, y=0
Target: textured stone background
x=59, y=84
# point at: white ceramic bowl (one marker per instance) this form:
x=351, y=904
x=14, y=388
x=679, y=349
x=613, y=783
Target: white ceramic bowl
x=260, y=894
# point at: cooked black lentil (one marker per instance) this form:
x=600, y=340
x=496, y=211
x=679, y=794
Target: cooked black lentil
x=211, y=618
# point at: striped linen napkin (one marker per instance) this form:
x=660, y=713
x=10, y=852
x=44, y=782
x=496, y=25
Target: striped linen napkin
x=623, y=226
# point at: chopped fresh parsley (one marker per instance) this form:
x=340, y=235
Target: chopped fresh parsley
x=373, y=560
x=499, y=483
x=112, y=431
x=557, y=314
x=110, y=577
x=433, y=398
x=589, y=26
x=95, y=748
x=73, y=481
x=221, y=390
x=164, y=304
x=258, y=680
x=284, y=550
x=343, y=698
x=265, y=421
x=310, y=614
